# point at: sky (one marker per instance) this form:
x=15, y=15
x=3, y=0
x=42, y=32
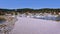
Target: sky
x=36, y=4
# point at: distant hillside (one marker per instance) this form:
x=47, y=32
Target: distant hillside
x=25, y=10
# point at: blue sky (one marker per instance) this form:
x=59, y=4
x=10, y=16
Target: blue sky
x=36, y=4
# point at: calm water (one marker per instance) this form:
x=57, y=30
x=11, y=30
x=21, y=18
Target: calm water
x=48, y=18
x=2, y=21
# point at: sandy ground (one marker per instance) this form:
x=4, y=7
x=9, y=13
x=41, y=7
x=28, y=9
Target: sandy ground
x=35, y=26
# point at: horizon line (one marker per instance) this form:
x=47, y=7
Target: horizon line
x=29, y=8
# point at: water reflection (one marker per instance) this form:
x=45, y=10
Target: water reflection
x=2, y=20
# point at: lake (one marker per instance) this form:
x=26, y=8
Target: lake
x=2, y=21
x=48, y=18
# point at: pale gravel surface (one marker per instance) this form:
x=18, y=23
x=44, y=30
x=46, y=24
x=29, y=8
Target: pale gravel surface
x=35, y=26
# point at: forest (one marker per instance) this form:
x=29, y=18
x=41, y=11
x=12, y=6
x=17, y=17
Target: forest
x=29, y=10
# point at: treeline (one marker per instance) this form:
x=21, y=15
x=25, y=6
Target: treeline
x=28, y=10
x=4, y=11
x=47, y=10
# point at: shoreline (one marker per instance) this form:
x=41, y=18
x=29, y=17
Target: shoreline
x=35, y=26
